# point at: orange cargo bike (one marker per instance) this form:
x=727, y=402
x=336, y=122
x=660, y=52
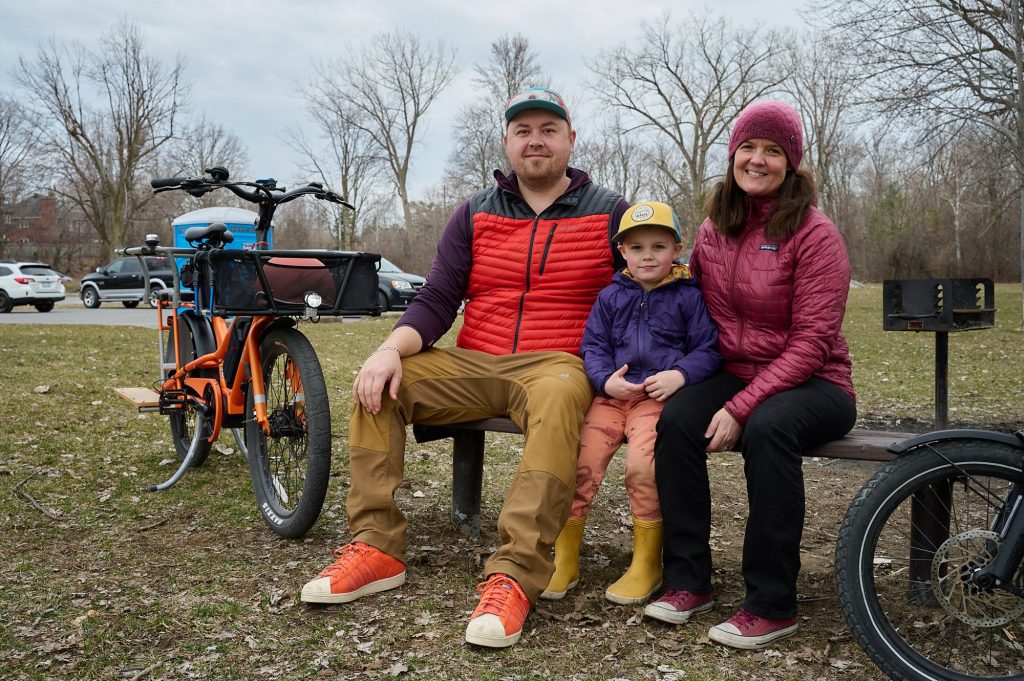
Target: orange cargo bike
x=232, y=358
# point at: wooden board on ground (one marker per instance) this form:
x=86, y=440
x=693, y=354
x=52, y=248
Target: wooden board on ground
x=140, y=397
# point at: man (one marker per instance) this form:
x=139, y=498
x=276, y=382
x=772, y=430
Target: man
x=529, y=255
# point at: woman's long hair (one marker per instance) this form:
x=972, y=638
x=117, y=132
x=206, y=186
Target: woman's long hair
x=726, y=204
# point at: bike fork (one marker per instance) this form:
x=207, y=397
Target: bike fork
x=1000, y=571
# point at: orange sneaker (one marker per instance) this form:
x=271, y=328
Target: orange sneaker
x=498, y=619
x=358, y=571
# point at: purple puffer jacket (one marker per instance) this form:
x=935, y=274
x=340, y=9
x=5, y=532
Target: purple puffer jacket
x=666, y=328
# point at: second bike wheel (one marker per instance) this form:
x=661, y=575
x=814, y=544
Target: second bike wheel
x=291, y=466
x=185, y=420
x=912, y=535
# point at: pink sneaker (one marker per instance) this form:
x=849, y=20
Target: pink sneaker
x=748, y=631
x=676, y=605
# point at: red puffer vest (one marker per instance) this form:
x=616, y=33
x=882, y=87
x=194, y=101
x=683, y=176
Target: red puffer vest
x=778, y=304
x=535, y=278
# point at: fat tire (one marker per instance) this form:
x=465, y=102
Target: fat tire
x=291, y=468
x=182, y=424
x=90, y=297
x=870, y=512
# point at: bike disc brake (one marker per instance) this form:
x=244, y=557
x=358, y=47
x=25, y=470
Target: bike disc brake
x=954, y=563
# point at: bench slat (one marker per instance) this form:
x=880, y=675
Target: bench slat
x=468, y=463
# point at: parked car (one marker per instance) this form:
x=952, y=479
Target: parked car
x=121, y=281
x=29, y=283
x=395, y=287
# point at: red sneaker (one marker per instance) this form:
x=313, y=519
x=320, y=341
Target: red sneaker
x=677, y=605
x=358, y=571
x=498, y=619
x=748, y=631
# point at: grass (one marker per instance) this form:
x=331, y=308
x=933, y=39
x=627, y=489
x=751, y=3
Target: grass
x=102, y=580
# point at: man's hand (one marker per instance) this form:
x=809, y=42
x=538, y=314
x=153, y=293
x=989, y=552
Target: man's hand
x=663, y=384
x=723, y=431
x=383, y=368
x=618, y=387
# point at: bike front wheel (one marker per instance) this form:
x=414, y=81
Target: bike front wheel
x=912, y=536
x=291, y=465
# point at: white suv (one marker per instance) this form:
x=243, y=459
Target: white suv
x=29, y=283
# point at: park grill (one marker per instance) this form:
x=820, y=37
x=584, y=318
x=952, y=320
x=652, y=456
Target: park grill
x=939, y=306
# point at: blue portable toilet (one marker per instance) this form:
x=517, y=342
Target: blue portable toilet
x=240, y=221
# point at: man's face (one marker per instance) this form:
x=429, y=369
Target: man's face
x=538, y=144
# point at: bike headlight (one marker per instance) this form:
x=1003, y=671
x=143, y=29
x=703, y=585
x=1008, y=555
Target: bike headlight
x=313, y=299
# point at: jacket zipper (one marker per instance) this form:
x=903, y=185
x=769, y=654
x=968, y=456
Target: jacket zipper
x=732, y=288
x=547, y=248
x=526, y=289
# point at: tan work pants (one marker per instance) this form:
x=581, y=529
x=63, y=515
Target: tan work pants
x=544, y=393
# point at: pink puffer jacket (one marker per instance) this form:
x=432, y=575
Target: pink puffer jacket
x=778, y=304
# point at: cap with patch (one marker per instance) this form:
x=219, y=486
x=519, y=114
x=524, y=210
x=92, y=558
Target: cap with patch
x=649, y=214
x=537, y=98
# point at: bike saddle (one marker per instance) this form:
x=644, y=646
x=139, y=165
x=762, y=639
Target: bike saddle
x=213, y=234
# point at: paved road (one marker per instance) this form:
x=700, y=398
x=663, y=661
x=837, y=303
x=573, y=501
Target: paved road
x=71, y=311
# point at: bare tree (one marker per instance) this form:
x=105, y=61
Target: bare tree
x=943, y=63
x=19, y=144
x=825, y=91
x=478, y=131
x=346, y=158
x=103, y=115
x=392, y=83
x=686, y=84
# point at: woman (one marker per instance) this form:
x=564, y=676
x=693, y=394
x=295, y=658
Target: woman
x=775, y=277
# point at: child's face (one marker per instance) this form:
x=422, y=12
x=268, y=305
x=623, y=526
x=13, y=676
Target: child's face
x=649, y=252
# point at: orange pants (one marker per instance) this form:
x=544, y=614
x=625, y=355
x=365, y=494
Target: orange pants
x=608, y=422
x=544, y=393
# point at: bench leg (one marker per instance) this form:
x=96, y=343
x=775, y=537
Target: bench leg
x=929, y=528
x=467, y=480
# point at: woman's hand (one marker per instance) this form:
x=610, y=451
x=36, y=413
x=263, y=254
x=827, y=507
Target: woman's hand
x=619, y=388
x=723, y=432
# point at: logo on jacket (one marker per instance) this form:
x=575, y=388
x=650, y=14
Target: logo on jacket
x=769, y=247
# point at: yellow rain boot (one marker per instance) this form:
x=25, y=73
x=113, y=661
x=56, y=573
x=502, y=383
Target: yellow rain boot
x=644, y=574
x=567, y=559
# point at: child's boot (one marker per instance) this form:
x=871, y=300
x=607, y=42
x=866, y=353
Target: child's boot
x=567, y=559
x=643, y=577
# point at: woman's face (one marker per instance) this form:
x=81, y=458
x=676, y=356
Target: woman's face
x=759, y=167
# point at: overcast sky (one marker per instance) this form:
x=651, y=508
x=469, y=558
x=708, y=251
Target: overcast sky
x=246, y=58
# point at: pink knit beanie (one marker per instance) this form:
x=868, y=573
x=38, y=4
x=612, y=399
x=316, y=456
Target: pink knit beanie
x=772, y=120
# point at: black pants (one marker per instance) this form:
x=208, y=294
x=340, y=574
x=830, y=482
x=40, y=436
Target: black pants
x=773, y=439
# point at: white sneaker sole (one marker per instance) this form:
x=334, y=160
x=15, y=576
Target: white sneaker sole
x=489, y=640
x=654, y=611
x=719, y=635
x=313, y=593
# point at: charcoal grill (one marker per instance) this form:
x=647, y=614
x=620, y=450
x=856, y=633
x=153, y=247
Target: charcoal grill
x=940, y=306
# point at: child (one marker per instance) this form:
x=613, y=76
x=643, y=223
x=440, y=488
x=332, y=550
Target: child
x=648, y=334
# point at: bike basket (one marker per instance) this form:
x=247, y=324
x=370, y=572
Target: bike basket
x=275, y=282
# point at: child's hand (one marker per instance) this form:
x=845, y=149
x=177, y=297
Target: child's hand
x=663, y=384
x=618, y=387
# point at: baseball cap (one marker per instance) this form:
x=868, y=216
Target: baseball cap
x=649, y=214
x=537, y=98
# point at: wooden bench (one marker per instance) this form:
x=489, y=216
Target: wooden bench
x=468, y=461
